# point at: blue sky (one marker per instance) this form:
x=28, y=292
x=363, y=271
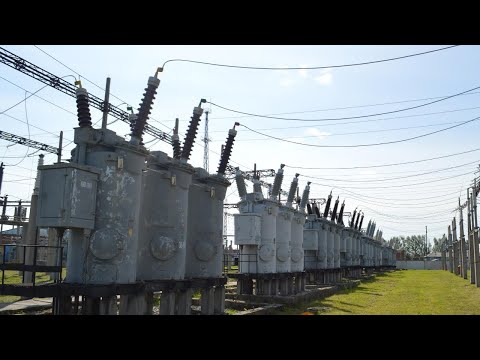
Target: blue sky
x=399, y=206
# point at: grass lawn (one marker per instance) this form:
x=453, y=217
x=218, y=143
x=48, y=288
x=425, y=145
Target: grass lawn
x=407, y=292
x=13, y=277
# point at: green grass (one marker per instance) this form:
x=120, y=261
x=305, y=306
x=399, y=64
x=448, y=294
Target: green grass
x=13, y=277
x=409, y=292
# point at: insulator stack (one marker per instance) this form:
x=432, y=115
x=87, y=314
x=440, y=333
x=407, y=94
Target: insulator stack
x=191, y=133
x=277, y=183
x=257, y=187
x=293, y=190
x=239, y=179
x=309, y=209
x=176, y=142
x=145, y=107
x=227, y=151
x=356, y=222
x=361, y=222
x=306, y=194
x=327, y=205
x=334, y=211
x=83, y=108
x=369, y=226
x=340, y=214
x=317, y=212
x=352, y=222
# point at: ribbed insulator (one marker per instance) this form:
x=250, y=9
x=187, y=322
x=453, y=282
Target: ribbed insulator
x=356, y=222
x=277, y=183
x=293, y=190
x=306, y=194
x=352, y=222
x=327, y=206
x=190, y=135
x=177, y=151
x=257, y=187
x=317, y=211
x=83, y=108
x=309, y=209
x=145, y=107
x=334, y=211
x=340, y=214
x=361, y=222
x=240, y=180
x=227, y=152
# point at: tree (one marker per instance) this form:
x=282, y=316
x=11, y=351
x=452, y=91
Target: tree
x=396, y=242
x=414, y=246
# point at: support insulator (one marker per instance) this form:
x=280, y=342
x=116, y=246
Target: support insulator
x=352, y=222
x=306, y=194
x=340, y=214
x=257, y=187
x=83, y=108
x=176, y=142
x=334, y=211
x=145, y=107
x=293, y=190
x=191, y=133
x=327, y=205
x=317, y=211
x=361, y=222
x=309, y=209
x=227, y=151
x=372, y=230
x=240, y=180
x=277, y=183
x=369, y=226
x=358, y=219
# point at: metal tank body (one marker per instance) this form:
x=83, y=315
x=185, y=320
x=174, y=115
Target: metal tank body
x=205, y=225
x=108, y=254
x=347, y=238
x=310, y=242
x=330, y=245
x=283, y=238
x=297, y=252
x=337, y=230
x=257, y=258
x=323, y=243
x=164, y=216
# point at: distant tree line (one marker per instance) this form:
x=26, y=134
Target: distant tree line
x=415, y=247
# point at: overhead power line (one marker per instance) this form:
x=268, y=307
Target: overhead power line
x=383, y=165
x=307, y=67
x=346, y=117
x=362, y=145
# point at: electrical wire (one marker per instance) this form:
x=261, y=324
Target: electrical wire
x=394, y=178
x=91, y=82
x=307, y=67
x=28, y=128
x=347, y=117
x=383, y=165
x=363, y=145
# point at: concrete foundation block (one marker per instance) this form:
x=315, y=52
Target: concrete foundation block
x=167, y=303
x=207, y=301
x=183, y=301
x=219, y=301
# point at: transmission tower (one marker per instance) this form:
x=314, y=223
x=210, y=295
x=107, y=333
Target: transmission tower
x=206, y=140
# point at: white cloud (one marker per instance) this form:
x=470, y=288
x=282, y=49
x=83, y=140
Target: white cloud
x=325, y=79
x=303, y=72
x=317, y=133
x=286, y=82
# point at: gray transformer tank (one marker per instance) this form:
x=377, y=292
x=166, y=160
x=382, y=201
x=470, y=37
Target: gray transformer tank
x=108, y=253
x=204, y=250
x=164, y=217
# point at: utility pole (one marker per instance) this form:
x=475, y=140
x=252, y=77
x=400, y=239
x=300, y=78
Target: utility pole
x=426, y=241
x=475, y=234
x=463, y=250
x=471, y=250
